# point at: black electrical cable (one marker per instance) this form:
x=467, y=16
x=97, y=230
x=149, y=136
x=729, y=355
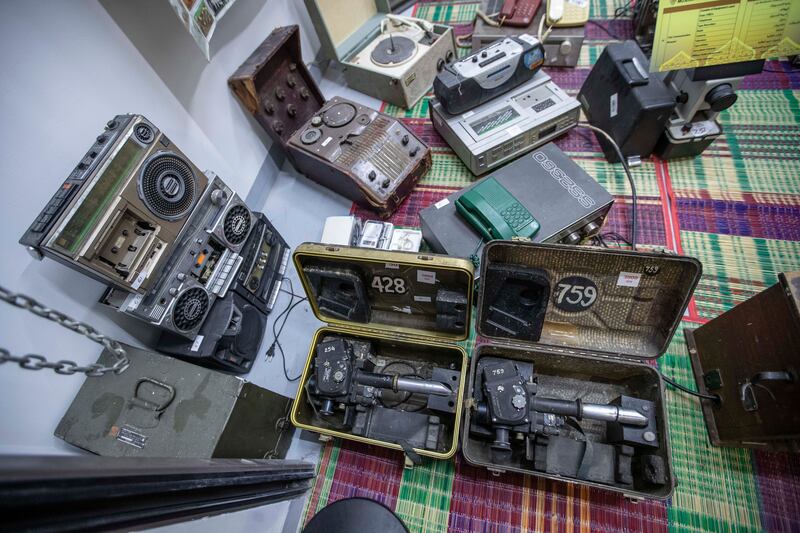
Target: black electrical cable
x=626, y=168
x=276, y=343
x=687, y=390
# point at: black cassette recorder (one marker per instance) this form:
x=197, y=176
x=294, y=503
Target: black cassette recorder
x=363, y=154
x=118, y=214
x=489, y=72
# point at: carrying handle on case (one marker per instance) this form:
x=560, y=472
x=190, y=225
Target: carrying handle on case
x=629, y=66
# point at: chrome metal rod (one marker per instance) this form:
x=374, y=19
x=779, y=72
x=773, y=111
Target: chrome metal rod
x=423, y=386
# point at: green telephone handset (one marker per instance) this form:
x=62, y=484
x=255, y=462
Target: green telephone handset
x=495, y=213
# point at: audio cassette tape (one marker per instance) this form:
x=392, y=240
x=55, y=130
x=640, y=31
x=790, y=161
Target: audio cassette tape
x=390, y=57
x=200, y=269
x=508, y=126
x=119, y=212
x=363, y=154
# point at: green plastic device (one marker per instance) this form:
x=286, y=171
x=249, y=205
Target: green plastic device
x=495, y=213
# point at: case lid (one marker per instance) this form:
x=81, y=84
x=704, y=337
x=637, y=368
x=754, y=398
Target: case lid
x=343, y=25
x=410, y=294
x=611, y=302
x=275, y=85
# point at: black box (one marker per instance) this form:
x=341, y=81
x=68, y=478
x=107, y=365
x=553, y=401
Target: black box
x=622, y=98
x=568, y=203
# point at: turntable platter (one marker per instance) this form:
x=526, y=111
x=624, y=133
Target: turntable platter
x=339, y=115
x=393, y=51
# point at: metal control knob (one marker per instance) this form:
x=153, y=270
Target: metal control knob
x=372, y=175
x=484, y=54
x=291, y=110
x=414, y=151
x=449, y=56
x=173, y=291
x=280, y=94
x=316, y=121
x=518, y=401
x=474, y=59
x=404, y=140
x=565, y=47
x=303, y=93
x=181, y=276
x=385, y=183
x=268, y=107
x=572, y=238
x=101, y=139
x=338, y=376
x=219, y=197
x=278, y=127
x=591, y=228
x=111, y=124
x=290, y=81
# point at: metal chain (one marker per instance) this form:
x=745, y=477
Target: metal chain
x=63, y=367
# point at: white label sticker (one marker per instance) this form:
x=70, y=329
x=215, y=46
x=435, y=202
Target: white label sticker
x=422, y=298
x=529, y=39
x=197, y=342
x=468, y=114
x=612, y=105
x=406, y=309
x=132, y=302
x=513, y=131
x=326, y=141
x=392, y=266
x=579, y=3
x=426, y=276
x=139, y=279
x=441, y=203
x=628, y=279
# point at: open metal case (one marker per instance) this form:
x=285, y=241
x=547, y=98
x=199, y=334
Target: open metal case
x=359, y=152
x=604, y=315
x=349, y=30
x=412, y=308
x=749, y=357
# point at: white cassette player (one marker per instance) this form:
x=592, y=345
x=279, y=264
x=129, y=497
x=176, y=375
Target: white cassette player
x=508, y=126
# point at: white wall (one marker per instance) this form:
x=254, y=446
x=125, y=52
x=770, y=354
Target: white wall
x=68, y=67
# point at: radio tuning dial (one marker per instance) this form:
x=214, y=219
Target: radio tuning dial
x=316, y=121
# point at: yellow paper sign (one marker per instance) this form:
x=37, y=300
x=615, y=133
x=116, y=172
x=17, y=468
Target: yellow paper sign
x=696, y=33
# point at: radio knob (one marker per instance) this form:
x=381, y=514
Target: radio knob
x=111, y=124
x=385, y=183
x=440, y=65
x=173, y=291
x=474, y=59
x=449, y=56
x=278, y=127
x=181, y=276
x=372, y=175
x=291, y=110
x=101, y=139
x=572, y=238
x=290, y=81
x=280, y=94
x=268, y=107
x=414, y=151
x=565, y=48
x=484, y=54
x=219, y=197
x=292, y=67
x=316, y=121
x=303, y=93
x=404, y=140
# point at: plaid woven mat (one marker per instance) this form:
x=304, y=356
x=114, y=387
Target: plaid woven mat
x=737, y=209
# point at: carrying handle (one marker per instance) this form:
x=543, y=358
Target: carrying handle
x=624, y=67
x=148, y=405
x=747, y=390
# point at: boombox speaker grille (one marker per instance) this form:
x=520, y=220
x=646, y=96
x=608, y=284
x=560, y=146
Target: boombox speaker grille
x=190, y=309
x=167, y=186
x=237, y=224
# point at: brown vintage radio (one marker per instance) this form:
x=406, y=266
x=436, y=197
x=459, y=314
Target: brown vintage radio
x=363, y=154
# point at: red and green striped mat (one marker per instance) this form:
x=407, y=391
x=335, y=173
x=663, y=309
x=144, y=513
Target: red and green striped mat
x=737, y=209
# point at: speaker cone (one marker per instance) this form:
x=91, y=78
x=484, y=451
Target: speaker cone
x=167, y=186
x=237, y=224
x=190, y=309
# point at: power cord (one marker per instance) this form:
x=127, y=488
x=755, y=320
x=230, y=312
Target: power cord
x=624, y=161
x=687, y=390
x=276, y=343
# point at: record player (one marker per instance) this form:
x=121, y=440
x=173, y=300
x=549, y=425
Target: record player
x=363, y=154
x=390, y=57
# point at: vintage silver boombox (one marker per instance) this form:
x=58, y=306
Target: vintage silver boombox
x=200, y=269
x=387, y=56
x=120, y=211
x=508, y=126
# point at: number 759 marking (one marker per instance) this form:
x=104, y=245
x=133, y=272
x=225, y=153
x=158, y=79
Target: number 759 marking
x=580, y=295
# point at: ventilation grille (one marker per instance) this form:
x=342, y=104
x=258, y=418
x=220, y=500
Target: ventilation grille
x=167, y=186
x=237, y=224
x=190, y=309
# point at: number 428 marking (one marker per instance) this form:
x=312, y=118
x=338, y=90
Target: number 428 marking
x=388, y=284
